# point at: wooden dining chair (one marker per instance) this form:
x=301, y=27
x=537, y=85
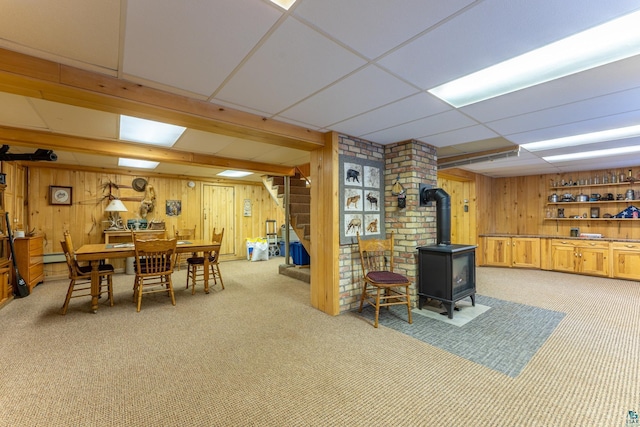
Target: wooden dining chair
x=80, y=277
x=183, y=234
x=154, y=263
x=382, y=287
x=195, y=265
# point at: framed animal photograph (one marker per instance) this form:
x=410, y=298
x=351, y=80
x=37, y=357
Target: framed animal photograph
x=361, y=199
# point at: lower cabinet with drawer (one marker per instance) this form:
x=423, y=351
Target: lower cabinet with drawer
x=626, y=260
x=580, y=256
x=30, y=260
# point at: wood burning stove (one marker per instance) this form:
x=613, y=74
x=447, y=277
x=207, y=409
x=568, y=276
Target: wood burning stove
x=446, y=272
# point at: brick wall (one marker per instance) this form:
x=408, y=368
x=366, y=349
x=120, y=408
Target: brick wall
x=413, y=226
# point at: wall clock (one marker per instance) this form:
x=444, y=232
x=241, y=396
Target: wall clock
x=59, y=195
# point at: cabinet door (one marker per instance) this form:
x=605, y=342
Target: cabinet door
x=497, y=251
x=626, y=260
x=564, y=258
x=525, y=252
x=594, y=261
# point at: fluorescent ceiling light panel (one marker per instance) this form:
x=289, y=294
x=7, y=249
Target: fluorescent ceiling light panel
x=285, y=4
x=615, y=40
x=234, y=174
x=592, y=154
x=149, y=131
x=587, y=138
x=140, y=164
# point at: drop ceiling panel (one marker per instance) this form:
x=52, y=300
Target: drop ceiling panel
x=17, y=111
x=359, y=22
x=403, y=111
x=246, y=150
x=577, y=128
x=71, y=120
x=82, y=31
x=473, y=147
x=592, y=113
x=286, y=156
x=443, y=122
x=202, y=142
x=295, y=62
x=588, y=84
x=192, y=47
x=459, y=136
x=468, y=42
x=350, y=97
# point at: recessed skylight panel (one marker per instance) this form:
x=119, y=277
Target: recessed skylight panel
x=149, y=132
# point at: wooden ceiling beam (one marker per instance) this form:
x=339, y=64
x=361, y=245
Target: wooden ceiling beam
x=29, y=76
x=100, y=147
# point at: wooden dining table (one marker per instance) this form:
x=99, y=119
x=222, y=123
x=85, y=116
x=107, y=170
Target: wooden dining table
x=94, y=253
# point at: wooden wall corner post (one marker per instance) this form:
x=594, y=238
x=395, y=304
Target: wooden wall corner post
x=325, y=240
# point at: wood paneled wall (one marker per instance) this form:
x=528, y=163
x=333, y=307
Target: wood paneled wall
x=86, y=218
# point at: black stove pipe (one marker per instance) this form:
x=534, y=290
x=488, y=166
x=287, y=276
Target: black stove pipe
x=443, y=213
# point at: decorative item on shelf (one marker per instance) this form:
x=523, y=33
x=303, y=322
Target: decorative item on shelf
x=595, y=212
x=630, y=212
x=560, y=212
x=630, y=177
x=114, y=208
x=156, y=225
x=630, y=195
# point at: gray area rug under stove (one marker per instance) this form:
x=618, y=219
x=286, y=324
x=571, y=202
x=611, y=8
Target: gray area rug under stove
x=503, y=338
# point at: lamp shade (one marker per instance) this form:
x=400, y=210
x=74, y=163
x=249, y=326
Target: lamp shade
x=116, y=205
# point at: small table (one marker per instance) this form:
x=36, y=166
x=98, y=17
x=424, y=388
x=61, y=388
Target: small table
x=94, y=253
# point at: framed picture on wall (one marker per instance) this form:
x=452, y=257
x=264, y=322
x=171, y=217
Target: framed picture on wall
x=173, y=207
x=59, y=195
x=361, y=199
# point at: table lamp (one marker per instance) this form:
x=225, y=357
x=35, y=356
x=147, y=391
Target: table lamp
x=114, y=207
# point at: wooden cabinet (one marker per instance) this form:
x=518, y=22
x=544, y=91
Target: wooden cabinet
x=580, y=256
x=625, y=259
x=6, y=290
x=497, y=251
x=29, y=257
x=521, y=252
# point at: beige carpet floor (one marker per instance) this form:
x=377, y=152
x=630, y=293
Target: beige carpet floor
x=257, y=354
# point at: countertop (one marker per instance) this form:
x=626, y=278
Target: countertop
x=543, y=236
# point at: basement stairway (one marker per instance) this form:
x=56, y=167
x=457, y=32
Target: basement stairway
x=299, y=207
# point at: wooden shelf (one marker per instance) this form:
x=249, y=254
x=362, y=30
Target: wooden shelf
x=590, y=219
x=593, y=202
x=611, y=184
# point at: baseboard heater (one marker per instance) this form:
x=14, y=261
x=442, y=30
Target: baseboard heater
x=53, y=258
